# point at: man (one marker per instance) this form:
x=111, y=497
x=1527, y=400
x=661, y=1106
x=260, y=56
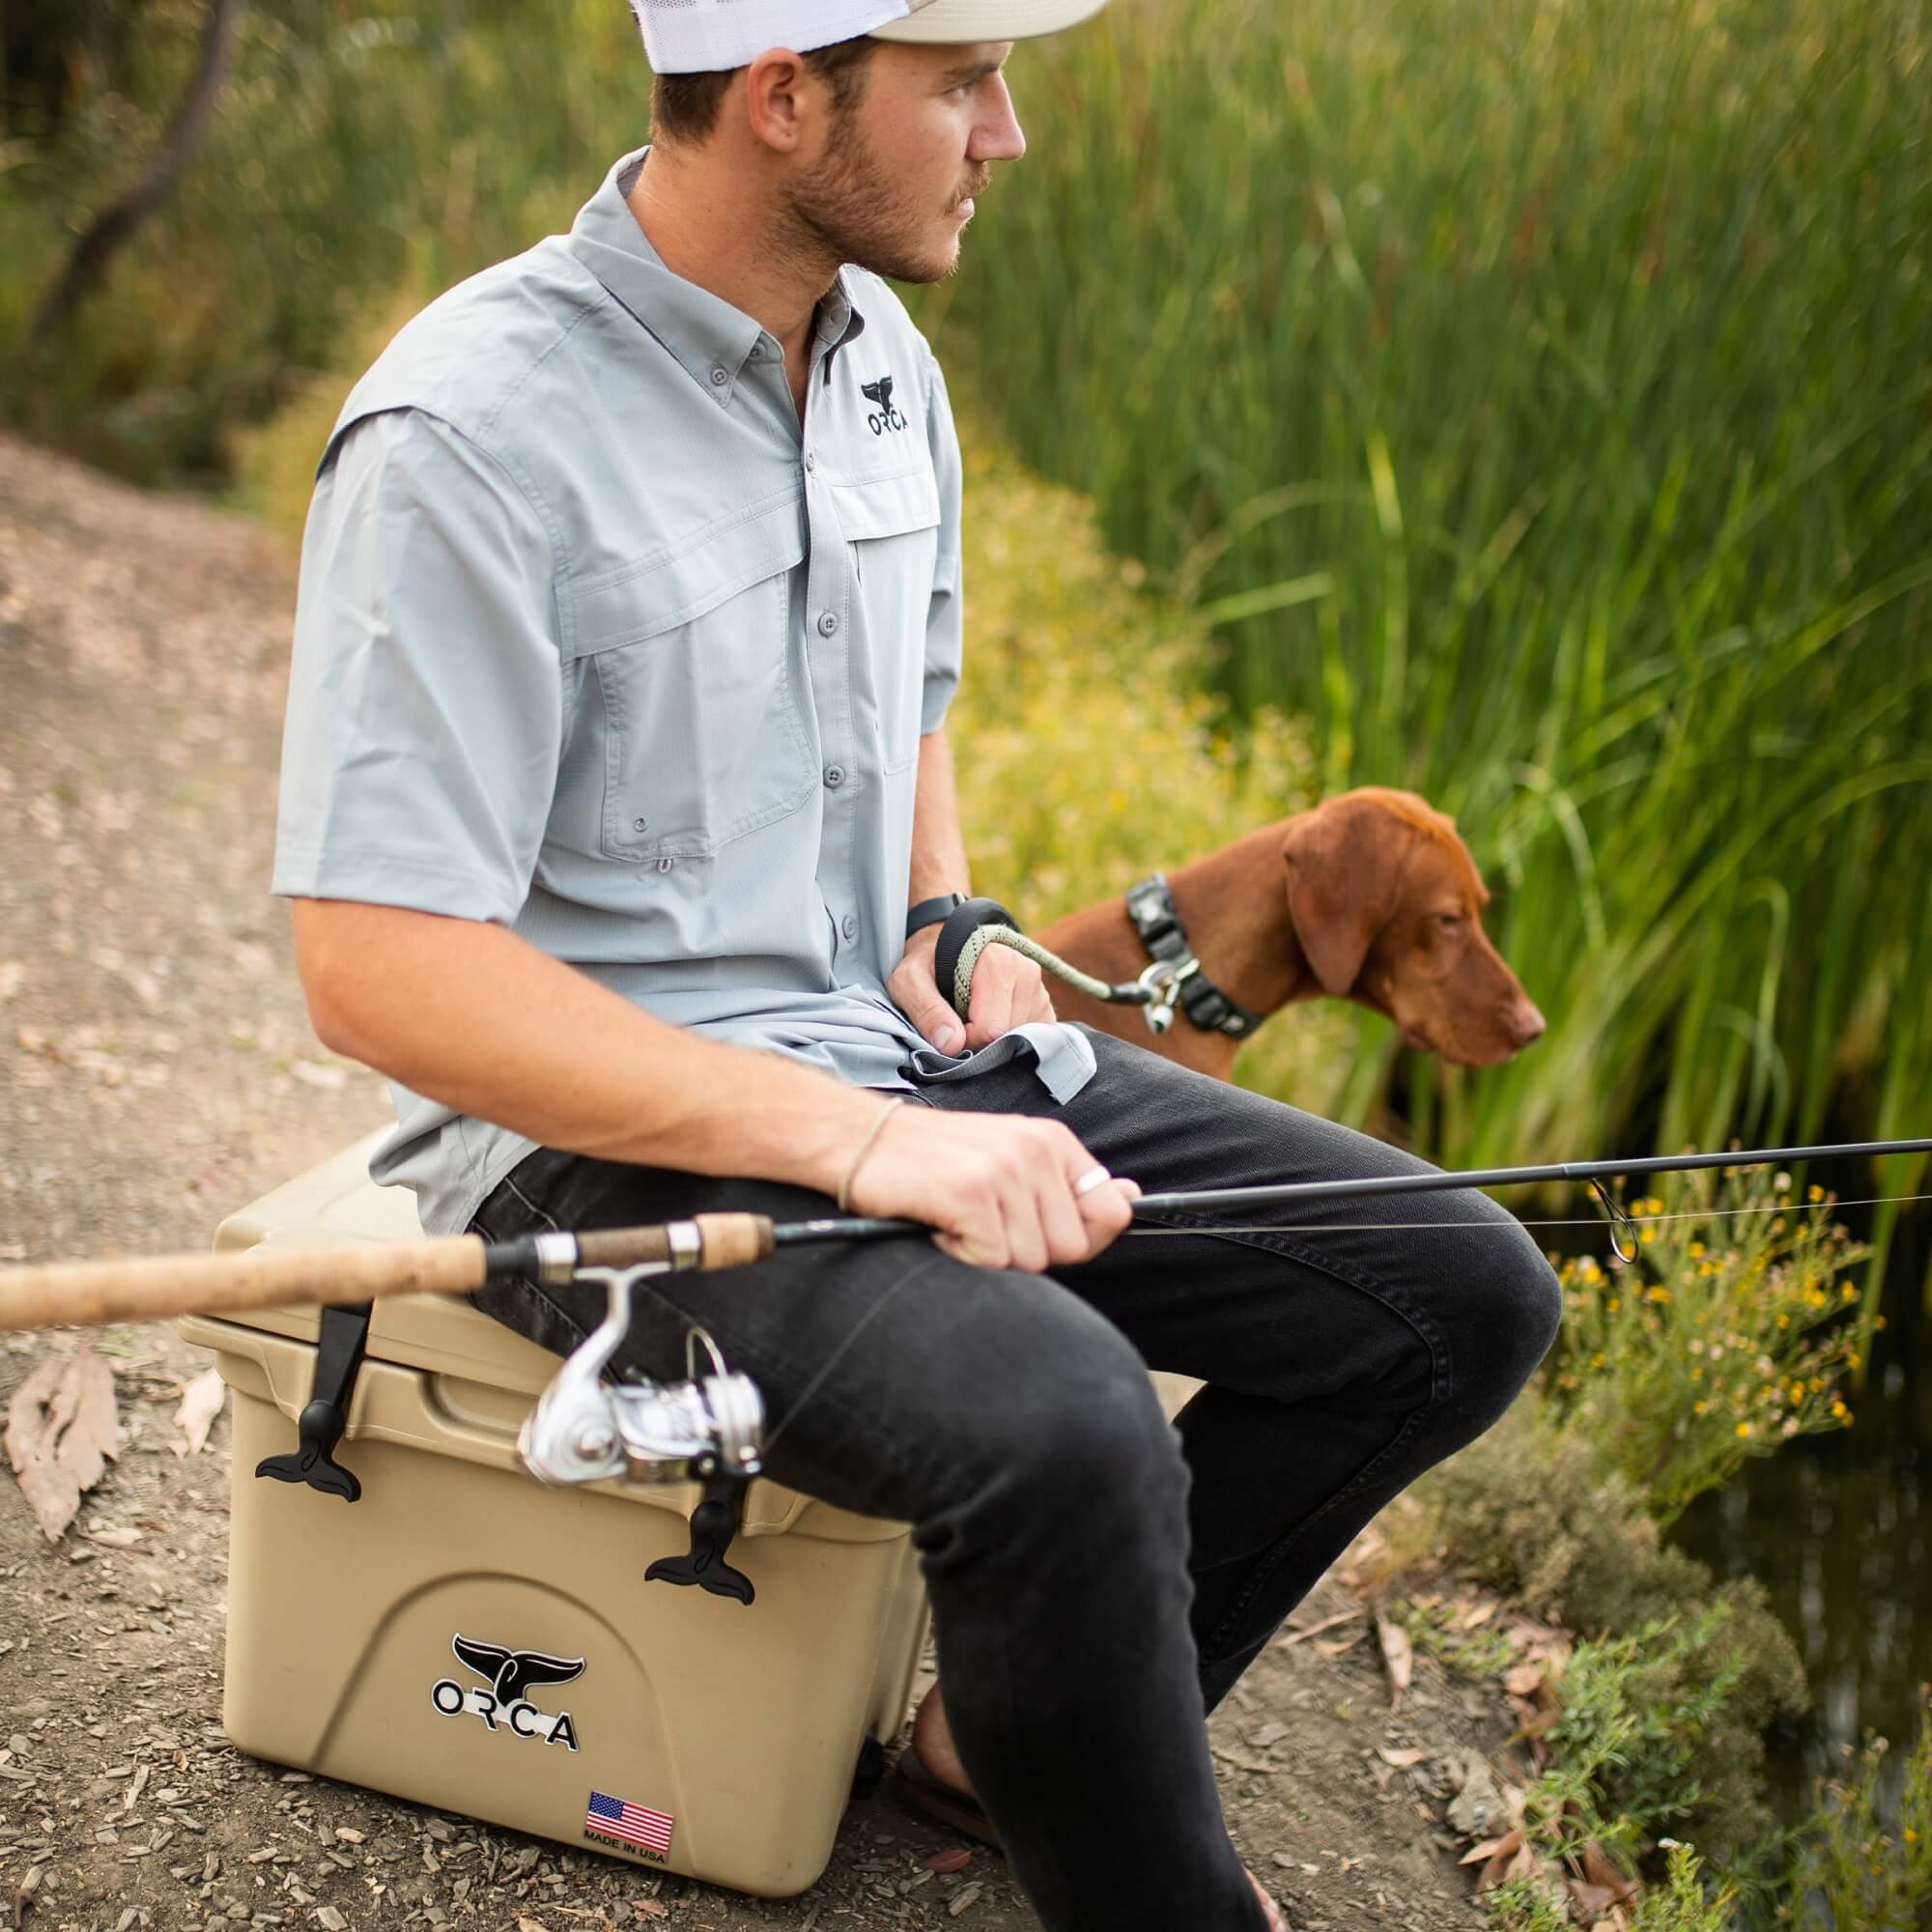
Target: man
x=629, y=618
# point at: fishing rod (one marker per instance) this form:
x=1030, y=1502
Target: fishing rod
x=160, y=1288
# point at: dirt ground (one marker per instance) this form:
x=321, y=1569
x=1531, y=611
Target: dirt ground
x=156, y=1071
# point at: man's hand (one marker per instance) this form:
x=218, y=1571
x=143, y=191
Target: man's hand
x=1008, y=991
x=999, y=1187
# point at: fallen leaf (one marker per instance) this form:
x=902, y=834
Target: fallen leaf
x=1491, y=1848
x=1401, y=1759
x=956, y=1859
x=1397, y=1655
x=331, y=1079
x=200, y=1404
x=1590, y=1899
x=61, y=1430
x=1315, y=1630
x=115, y=1539
x=530, y=1924
x=964, y=1897
x=1524, y=1680
x=1340, y=1647
x=1600, y=1871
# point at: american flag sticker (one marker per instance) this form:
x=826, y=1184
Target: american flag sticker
x=634, y=1823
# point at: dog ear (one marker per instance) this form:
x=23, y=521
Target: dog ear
x=1345, y=860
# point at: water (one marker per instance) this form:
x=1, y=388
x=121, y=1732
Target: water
x=1838, y=1528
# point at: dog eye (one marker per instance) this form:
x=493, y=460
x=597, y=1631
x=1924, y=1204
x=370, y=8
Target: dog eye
x=1449, y=919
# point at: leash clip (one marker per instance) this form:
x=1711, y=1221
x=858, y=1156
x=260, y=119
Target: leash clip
x=1163, y=981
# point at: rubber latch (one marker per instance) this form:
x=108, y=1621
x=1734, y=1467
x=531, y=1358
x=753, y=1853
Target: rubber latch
x=713, y=1525
x=338, y=1355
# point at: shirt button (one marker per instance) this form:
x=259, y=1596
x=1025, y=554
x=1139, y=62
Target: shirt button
x=834, y=776
x=810, y=460
x=664, y=865
x=719, y=376
x=828, y=623
x=849, y=926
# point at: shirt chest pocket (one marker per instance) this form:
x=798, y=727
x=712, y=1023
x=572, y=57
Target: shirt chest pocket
x=892, y=526
x=690, y=658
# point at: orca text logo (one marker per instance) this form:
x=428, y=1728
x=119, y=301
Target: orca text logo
x=885, y=416
x=510, y=1674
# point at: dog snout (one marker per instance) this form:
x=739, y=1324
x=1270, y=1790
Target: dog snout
x=1526, y=1023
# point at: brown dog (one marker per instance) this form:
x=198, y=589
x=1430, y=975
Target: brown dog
x=1370, y=896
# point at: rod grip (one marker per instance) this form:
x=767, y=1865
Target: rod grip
x=725, y=1241
x=734, y=1241
x=91, y=1293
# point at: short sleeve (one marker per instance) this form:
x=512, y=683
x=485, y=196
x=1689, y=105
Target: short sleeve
x=945, y=614
x=425, y=710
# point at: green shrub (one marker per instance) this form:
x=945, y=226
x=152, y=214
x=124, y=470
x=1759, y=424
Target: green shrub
x=1714, y=1346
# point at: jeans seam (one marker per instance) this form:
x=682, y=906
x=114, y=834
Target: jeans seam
x=1392, y=1299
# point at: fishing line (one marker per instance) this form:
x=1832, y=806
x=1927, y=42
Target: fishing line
x=1586, y=1221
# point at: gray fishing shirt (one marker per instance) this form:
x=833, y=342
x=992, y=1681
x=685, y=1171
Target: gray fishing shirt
x=594, y=639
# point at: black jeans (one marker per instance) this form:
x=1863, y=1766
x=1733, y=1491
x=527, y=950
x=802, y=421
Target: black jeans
x=1098, y=1578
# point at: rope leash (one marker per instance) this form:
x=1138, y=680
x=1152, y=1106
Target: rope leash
x=979, y=924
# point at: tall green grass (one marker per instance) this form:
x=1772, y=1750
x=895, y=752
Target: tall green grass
x=1539, y=397
x=1534, y=395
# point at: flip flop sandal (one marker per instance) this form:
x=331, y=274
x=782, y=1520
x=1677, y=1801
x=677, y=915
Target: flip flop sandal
x=915, y=1786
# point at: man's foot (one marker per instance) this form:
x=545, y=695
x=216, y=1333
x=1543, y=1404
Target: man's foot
x=932, y=1745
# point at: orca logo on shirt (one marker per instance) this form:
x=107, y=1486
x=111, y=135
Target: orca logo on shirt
x=885, y=417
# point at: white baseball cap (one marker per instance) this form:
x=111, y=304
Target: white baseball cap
x=709, y=36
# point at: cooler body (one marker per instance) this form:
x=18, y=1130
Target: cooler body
x=464, y=1637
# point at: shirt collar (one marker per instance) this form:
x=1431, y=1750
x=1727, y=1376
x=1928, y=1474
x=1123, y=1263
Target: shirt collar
x=710, y=338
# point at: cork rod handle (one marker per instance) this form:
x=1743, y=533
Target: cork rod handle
x=88, y=1293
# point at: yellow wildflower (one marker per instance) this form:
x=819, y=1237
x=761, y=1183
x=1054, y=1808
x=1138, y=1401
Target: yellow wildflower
x=1784, y=1322
x=1814, y=1192
x=1695, y=1249
x=1837, y=1408
x=1697, y=1408
x=1744, y=1429
x=1848, y=1293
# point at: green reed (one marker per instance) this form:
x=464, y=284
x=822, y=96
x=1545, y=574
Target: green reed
x=1539, y=399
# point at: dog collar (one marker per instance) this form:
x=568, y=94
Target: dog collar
x=1150, y=907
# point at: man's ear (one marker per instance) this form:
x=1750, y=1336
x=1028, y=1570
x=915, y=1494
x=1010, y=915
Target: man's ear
x=1345, y=860
x=772, y=86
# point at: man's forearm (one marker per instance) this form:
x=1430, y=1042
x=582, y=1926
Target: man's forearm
x=471, y=1016
x=938, y=849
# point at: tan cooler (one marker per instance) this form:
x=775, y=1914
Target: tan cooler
x=466, y=1638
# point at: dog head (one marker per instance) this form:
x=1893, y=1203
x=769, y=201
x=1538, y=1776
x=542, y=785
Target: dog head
x=1387, y=905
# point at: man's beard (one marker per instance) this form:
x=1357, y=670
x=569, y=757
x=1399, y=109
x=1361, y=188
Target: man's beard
x=853, y=208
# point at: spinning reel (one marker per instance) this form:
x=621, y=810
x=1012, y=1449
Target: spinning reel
x=584, y=1430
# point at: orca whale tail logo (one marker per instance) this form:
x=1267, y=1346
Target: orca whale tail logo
x=880, y=392
x=512, y=1674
